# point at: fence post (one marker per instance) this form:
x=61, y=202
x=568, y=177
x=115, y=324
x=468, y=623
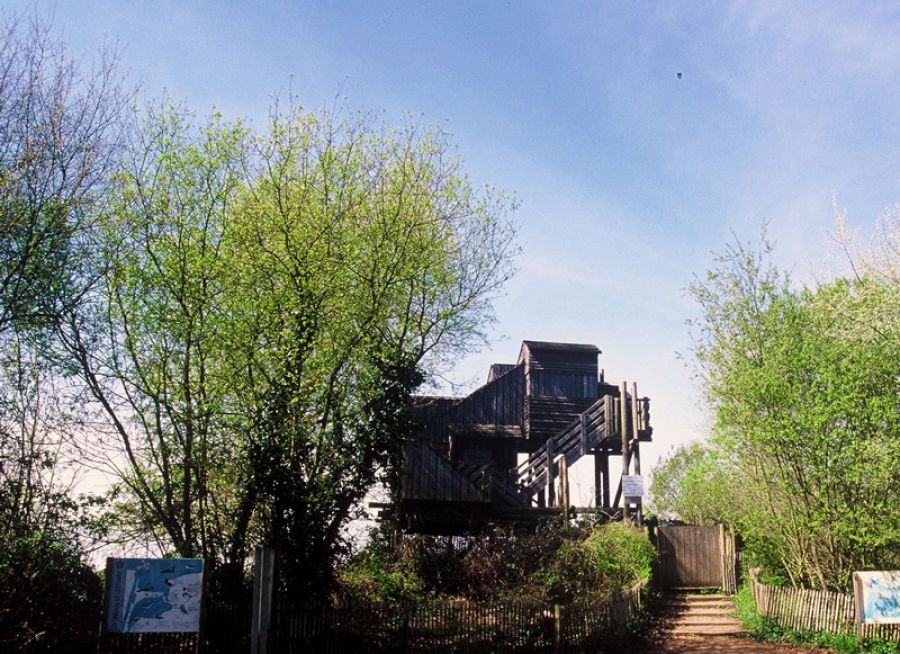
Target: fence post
x=263, y=582
x=558, y=636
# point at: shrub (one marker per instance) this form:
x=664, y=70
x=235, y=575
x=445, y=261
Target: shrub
x=609, y=559
x=51, y=598
x=553, y=563
x=381, y=573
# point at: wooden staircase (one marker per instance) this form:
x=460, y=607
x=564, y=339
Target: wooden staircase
x=582, y=435
x=489, y=482
x=694, y=613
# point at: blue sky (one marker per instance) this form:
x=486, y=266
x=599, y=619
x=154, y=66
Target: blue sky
x=627, y=176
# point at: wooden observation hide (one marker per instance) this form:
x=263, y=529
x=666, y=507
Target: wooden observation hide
x=497, y=455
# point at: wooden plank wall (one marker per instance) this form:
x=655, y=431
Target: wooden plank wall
x=549, y=416
x=689, y=556
x=500, y=402
x=427, y=475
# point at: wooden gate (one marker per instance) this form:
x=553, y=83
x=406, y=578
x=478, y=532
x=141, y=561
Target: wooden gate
x=696, y=557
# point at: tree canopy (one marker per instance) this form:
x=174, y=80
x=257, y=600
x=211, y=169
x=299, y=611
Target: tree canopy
x=268, y=303
x=804, y=389
x=60, y=129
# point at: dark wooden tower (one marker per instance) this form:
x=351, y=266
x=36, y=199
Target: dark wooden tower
x=462, y=472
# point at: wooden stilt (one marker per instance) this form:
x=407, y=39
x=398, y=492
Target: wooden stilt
x=623, y=430
x=604, y=470
x=635, y=443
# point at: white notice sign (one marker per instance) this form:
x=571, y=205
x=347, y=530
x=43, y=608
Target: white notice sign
x=633, y=486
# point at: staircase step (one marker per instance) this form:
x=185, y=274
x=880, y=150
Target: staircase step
x=701, y=599
x=709, y=630
x=706, y=619
x=677, y=613
x=702, y=614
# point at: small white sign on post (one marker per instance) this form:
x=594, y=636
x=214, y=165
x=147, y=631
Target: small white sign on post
x=633, y=486
x=877, y=595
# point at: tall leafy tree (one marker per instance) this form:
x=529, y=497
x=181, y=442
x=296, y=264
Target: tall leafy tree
x=59, y=136
x=372, y=259
x=804, y=387
x=60, y=129
x=269, y=304
x=148, y=343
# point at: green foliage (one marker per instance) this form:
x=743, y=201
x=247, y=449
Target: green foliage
x=694, y=484
x=553, y=564
x=804, y=388
x=745, y=607
x=269, y=302
x=381, y=573
x=609, y=559
x=51, y=598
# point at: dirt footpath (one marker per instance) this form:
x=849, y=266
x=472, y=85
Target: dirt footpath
x=725, y=645
x=705, y=623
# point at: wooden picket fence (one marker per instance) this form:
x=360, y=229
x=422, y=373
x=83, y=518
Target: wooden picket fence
x=444, y=626
x=428, y=626
x=803, y=609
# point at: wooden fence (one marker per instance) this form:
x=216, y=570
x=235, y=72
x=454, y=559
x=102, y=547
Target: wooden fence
x=226, y=630
x=443, y=626
x=432, y=626
x=803, y=609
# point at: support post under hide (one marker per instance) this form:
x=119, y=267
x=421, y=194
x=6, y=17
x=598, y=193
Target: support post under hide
x=623, y=430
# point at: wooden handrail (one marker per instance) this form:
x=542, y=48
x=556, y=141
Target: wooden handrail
x=582, y=435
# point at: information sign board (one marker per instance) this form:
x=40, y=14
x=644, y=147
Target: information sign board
x=153, y=595
x=877, y=595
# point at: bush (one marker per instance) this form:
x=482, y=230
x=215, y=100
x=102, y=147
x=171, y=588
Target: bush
x=381, y=573
x=608, y=560
x=553, y=563
x=51, y=598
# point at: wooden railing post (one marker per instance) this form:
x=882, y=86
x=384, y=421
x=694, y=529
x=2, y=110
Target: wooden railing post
x=551, y=474
x=635, y=444
x=623, y=429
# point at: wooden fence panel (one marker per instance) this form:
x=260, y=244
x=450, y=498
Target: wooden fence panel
x=438, y=626
x=453, y=626
x=803, y=609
